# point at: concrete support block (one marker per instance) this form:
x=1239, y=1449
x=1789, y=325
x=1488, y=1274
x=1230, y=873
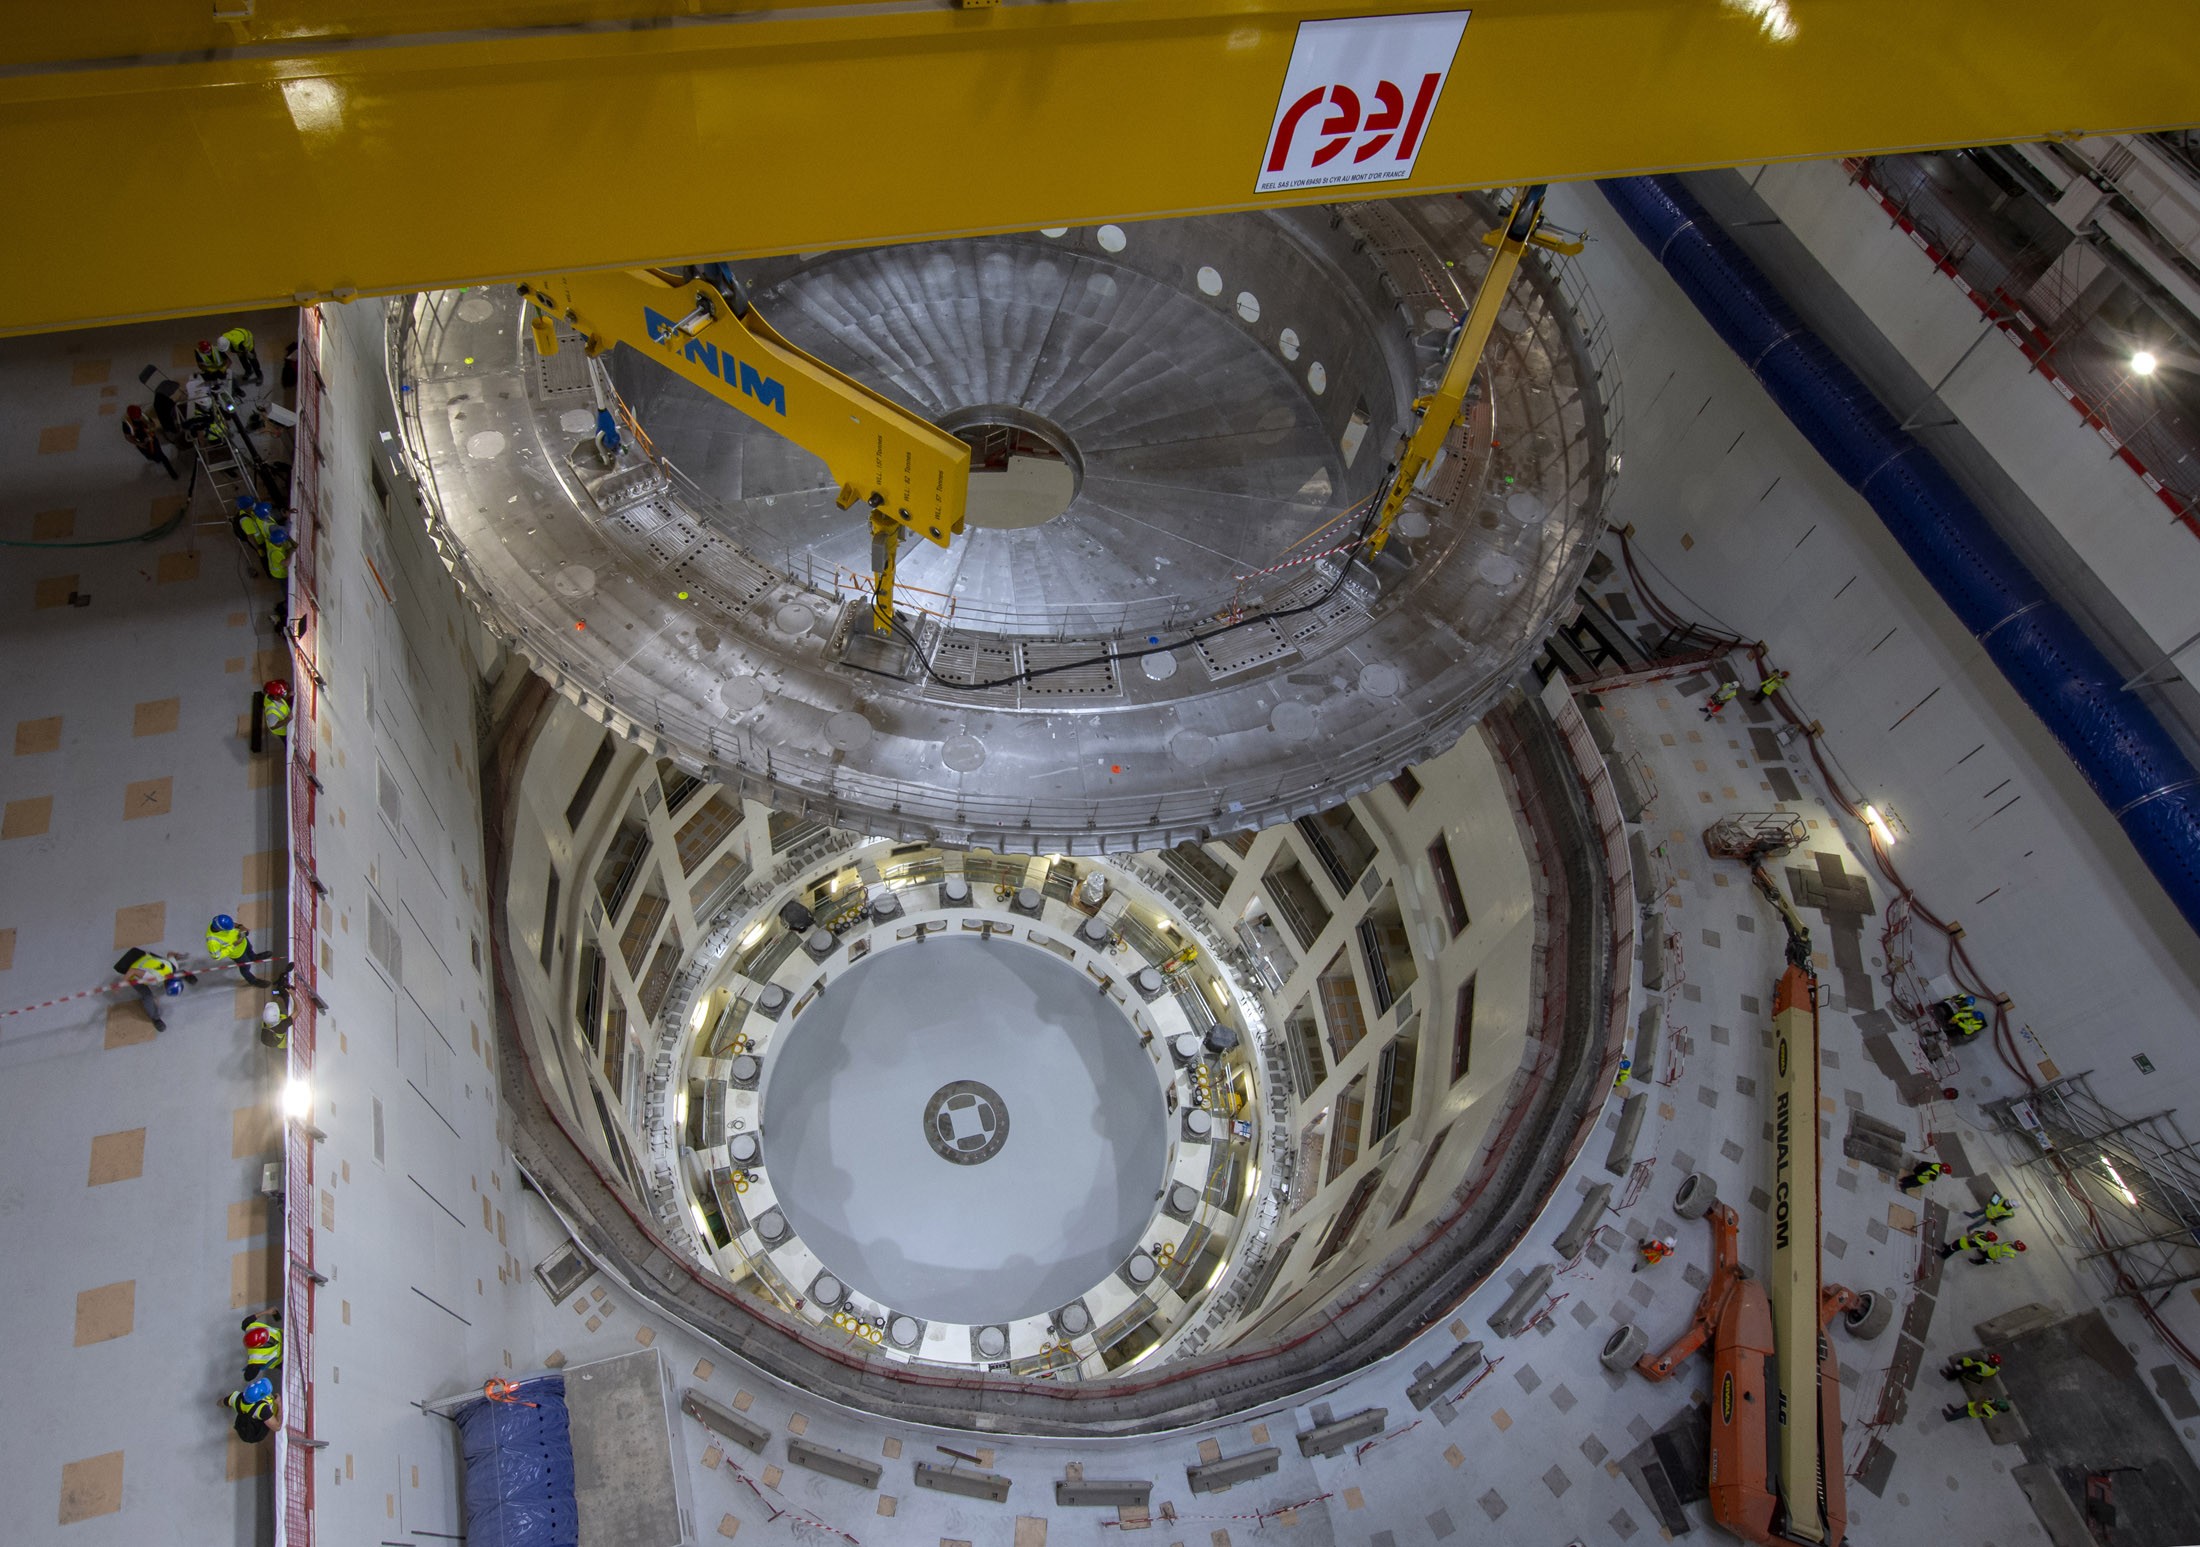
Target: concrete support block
x=1431, y=1382
x=725, y=1423
x=1626, y=787
x=1629, y=1130
x=1647, y=1027
x=1329, y=1439
x=1522, y=1303
x=1215, y=1476
x=1638, y=857
x=1095, y=1493
x=971, y=1485
x=833, y=1463
x=1650, y=943
x=1584, y=1223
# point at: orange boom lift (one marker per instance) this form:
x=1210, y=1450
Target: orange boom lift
x=1776, y=1474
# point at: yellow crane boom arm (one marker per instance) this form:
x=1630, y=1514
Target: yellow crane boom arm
x=1441, y=411
x=912, y=475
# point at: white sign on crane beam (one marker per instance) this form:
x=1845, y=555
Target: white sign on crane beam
x=1357, y=99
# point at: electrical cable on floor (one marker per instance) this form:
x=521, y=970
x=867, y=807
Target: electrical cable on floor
x=152, y=536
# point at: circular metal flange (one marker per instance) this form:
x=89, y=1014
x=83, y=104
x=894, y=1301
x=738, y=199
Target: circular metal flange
x=1194, y=621
x=966, y=1122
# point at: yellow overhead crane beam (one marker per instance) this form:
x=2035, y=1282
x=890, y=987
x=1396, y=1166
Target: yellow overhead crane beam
x=167, y=158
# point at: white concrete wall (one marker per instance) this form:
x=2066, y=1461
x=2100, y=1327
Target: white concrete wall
x=1462, y=796
x=2114, y=524
x=1749, y=528
x=414, y=1235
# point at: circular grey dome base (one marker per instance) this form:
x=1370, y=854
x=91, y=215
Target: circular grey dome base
x=854, y=1168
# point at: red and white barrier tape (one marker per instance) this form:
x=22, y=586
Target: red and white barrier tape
x=1307, y=558
x=110, y=988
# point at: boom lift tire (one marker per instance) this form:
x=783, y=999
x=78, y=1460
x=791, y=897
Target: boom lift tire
x=1697, y=1193
x=1623, y=1348
x=1872, y=1314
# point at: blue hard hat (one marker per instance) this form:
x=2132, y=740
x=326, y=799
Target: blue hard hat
x=258, y=1390
x=174, y=986
x=224, y=921
x=263, y=509
x=278, y=533
x=245, y=502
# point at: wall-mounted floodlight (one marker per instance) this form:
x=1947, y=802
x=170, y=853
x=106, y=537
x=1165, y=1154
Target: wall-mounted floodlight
x=2143, y=363
x=1879, y=827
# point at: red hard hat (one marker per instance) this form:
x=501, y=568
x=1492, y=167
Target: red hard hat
x=258, y=1337
x=133, y=412
x=2020, y=1246
x=1988, y=1235
x=206, y=343
x=1993, y=1358
x=277, y=690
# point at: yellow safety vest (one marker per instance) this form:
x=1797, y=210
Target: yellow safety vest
x=278, y=560
x=209, y=359
x=159, y=966
x=276, y=716
x=1996, y=1251
x=255, y=1358
x=238, y=338
x=226, y=944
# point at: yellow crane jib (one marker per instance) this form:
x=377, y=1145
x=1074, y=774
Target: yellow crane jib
x=1441, y=410
x=911, y=475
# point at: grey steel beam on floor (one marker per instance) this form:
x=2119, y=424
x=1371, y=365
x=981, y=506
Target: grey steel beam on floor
x=1214, y=1476
x=729, y=1425
x=971, y=1485
x=833, y=1463
x=1432, y=1381
x=1328, y=1439
x=1102, y=1493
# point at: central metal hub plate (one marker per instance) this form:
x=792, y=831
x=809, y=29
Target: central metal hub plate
x=965, y=1122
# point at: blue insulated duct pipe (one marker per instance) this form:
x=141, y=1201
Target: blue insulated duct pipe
x=2122, y=750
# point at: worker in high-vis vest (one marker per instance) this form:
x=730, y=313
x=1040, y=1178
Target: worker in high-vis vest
x=1997, y=1209
x=210, y=362
x=1772, y=684
x=1996, y=1251
x=148, y=972
x=263, y=1344
x=229, y=941
x=250, y=519
x=276, y=550
x=1971, y=1368
x=254, y=1405
x=1988, y=1407
x=275, y=708
x=1715, y=705
x=1976, y=1241
x=1923, y=1174
x=237, y=344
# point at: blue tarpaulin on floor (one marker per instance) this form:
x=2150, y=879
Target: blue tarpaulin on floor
x=519, y=1469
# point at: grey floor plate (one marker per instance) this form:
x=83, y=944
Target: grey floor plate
x=1062, y=1081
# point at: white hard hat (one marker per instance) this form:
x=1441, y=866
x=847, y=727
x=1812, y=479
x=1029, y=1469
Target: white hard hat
x=270, y=1013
